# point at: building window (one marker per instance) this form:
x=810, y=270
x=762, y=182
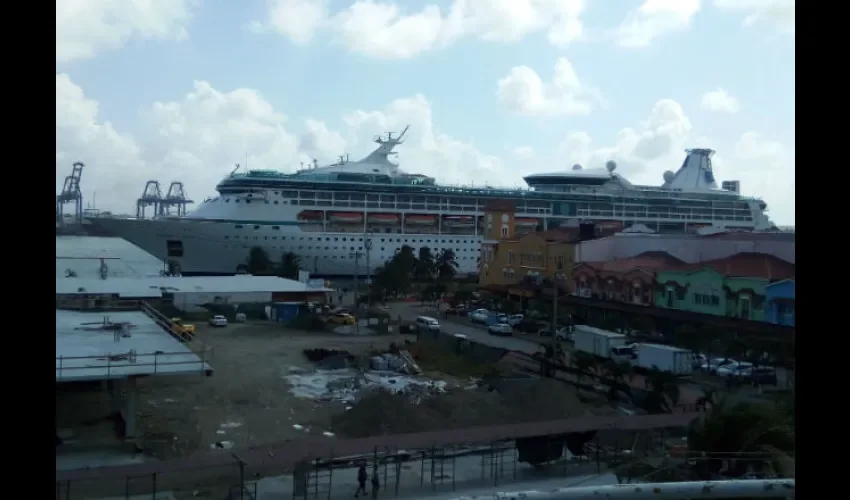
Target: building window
x=510, y=257
x=504, y=232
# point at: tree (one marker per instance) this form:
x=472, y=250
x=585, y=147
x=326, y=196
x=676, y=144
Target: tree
x=446, y=266
x=394, y=277
x=424, y=267
x=290, y=264
x=752, y=436
x=663, y=392
x=583, y=363
x=618, y=376
x=258, y=262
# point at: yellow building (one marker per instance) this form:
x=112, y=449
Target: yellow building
x=506, y=259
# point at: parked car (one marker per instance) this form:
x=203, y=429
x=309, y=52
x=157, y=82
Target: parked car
x=715, y=363
x=515, y=319
x=342, y=319
x=427, y=324
x=479, y=315
x=699, y=360
x=218, y=320
x=500, y=329
x=734, y=368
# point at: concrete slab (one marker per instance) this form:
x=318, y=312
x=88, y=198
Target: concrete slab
x=86, y=352
x=99, y=457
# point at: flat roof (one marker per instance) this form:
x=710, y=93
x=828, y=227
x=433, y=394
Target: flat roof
x=155, y=285
x=85, y=350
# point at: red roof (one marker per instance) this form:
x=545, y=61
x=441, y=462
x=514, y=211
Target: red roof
x=649, y=260
x=747, y=264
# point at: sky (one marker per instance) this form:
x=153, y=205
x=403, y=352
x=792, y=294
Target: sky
x=493, y=90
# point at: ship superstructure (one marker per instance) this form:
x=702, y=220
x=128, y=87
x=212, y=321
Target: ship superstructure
x=325, y=214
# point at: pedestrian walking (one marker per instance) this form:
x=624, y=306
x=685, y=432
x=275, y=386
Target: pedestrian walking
x=376, y=483
x=361, y=481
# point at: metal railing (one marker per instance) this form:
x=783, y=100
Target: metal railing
x=123, y=364
x=752, y=488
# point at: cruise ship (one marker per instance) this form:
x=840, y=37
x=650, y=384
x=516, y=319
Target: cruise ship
x=350, y=217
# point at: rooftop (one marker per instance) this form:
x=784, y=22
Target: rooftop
x=653, y=260
x=90, y=347
x=746, y=264
x=154, y=286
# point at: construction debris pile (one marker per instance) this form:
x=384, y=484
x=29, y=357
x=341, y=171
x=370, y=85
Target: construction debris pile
x=384, y=412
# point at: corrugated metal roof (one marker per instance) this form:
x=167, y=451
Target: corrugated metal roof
x=127, y=287
x=123, y=287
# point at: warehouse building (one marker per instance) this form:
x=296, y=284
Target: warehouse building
x=187, y=293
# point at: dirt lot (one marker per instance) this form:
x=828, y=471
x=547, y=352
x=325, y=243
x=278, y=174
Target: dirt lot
x=247, y=401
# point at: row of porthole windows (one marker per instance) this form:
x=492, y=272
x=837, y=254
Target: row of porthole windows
x=383, y=240
x=342, y=257
x=383, y=249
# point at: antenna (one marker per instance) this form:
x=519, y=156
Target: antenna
x=235, y=169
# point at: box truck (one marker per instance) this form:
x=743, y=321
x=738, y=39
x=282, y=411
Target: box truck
x=665, y=358
x=596, y=341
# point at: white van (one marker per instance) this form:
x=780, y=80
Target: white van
x=427, y=324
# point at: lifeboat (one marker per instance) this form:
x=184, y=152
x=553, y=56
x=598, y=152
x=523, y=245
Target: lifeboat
x=382, y=219
x=525, y=222
x=610, y=225
x=346, y=217
x=459, y=221
x=420, y=220
x=310, y=216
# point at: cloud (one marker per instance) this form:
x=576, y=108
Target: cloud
x=719, y=101
x=387, y=30
x=524, y=92
x=85, y=28
x=780, y=13
x=198, y=139
x=655, y=19
x=523, y=152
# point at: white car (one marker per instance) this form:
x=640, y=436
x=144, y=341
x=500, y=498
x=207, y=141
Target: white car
x=715, y=363
x=515, y=319
x=479, y=315
x=218, y=320
x=500, y=329
x=735, y=369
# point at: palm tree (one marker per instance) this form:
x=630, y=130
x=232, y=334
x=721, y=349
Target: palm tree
x=258, y=262
x=424, y=267
x=734, y=428
x=446, y=265
x=290, y=264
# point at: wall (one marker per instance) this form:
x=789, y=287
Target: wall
x=780, y=303
x=511, y=261
x=708, y=292
x=690, y=249
x=190, y=301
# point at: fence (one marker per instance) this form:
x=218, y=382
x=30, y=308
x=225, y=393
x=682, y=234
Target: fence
x=131, y=363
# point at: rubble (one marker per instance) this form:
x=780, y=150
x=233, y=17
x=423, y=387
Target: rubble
x=344, y=386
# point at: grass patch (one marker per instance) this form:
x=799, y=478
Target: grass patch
x=432, y=356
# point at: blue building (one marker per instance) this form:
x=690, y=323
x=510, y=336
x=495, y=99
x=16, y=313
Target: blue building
x=779, y=298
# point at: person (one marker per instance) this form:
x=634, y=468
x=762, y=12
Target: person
x=361, y=481
x=376, y=483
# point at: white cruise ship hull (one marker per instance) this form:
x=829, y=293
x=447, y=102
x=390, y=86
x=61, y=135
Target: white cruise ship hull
x=203, y=247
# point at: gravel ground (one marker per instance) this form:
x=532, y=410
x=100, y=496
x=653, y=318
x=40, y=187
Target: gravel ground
x=246, y=402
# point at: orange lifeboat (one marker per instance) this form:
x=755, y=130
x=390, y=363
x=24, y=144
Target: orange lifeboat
x=382, y=219
x=346, y=217
x=458, y=221
x=420, y=220
x=310, y=216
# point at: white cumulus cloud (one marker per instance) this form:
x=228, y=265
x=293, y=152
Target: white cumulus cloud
x=85, y=28
x=394, y=30
x=780, y=13
x=524, y=92
x=719, y=101
x=655, y=19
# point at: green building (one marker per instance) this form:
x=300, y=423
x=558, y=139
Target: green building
x=733, y=286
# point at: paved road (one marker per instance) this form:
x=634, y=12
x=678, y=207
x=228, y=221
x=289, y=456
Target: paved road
x=409, y=311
